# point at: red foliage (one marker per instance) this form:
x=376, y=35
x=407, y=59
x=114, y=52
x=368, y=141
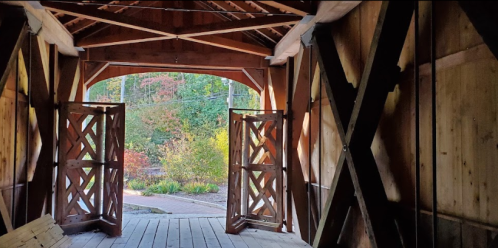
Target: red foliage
x=168, y=87
x=134, y=162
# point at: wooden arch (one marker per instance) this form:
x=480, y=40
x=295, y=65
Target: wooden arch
x=116, y=71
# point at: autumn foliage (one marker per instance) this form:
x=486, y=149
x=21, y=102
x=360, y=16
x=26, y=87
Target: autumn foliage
x=134, y=164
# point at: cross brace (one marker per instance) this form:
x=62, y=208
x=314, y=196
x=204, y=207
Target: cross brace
x=360, y=112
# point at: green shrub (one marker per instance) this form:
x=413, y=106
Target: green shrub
x=195, y=188
x=212, y=188
x=164, y=187
x=194, y=158
x=169, y=187
x=136, y=184
x=147, y=192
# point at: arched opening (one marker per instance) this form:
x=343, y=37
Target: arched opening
x=176, y=141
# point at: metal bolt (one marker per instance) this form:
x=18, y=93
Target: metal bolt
x=344, y=147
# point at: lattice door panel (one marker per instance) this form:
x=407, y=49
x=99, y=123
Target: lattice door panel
x=90, y=163
x=113, y=168
x=263, y=169
x=255, y=172
x=80, y=156
x=234, y=215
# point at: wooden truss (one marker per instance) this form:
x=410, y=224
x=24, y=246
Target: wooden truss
x=192, y=33
x=357, y=116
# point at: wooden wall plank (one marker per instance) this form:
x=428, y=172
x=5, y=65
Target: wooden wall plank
x=449, y=143
x=277, y=87
x=70, y=77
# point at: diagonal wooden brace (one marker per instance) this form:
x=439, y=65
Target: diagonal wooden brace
x=362, y=121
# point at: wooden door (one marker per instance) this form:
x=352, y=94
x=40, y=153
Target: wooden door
x=255, y=172
x=114, y=166
x=87, y=168
x=235, y=221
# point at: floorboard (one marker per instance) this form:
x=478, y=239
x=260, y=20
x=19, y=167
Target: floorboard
x=188, y=233
x=209, y=236
x=137, y=234
x=161, y=234
x=173, y=233
x=197, y=236
x=149, y=235
x=223, y=238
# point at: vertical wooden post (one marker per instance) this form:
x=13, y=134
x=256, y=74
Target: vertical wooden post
x=100, y=156
x=288, y=143
x=245, y=166
x=279, y=172
x=61, y=170
x=52, y=101
x=121, y=140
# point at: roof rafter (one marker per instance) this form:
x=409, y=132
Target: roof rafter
x=235, y=26
x=102, y=26
x=296, y=7
x=69, y=21
x=82, y=24
x=222, y=5
x=187, y=33
x=110, y=18
x=252, y=34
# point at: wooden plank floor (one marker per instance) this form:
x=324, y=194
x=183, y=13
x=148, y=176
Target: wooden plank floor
x=192, y=232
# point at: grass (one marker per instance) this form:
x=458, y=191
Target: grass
x=212, y=188
x=171, y=187
x=147, y=192
x=195, y=188
x=163, y=187
x=136, y=184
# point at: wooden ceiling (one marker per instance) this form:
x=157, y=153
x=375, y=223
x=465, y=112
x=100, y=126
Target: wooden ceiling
x=193, y=34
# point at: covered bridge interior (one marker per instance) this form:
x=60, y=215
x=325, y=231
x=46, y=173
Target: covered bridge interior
x=389, y=109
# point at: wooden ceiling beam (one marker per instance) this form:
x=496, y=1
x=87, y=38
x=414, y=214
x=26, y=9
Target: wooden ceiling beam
x=116, y=71
x=186, y=59
x=136, y=36
x=243, y=6
x=230, y=44
x=222, y=5
x=295, y=7
x=91, y=31
x=111, y=18
x=92, y=69
x=264, y=8
x=129, y=37
x=186, y=33
x=328, y=11
x=236, y=26
x=69, y=21
x=52, y=30
x=252, y=34
x=256, y=76
x=77, y=27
